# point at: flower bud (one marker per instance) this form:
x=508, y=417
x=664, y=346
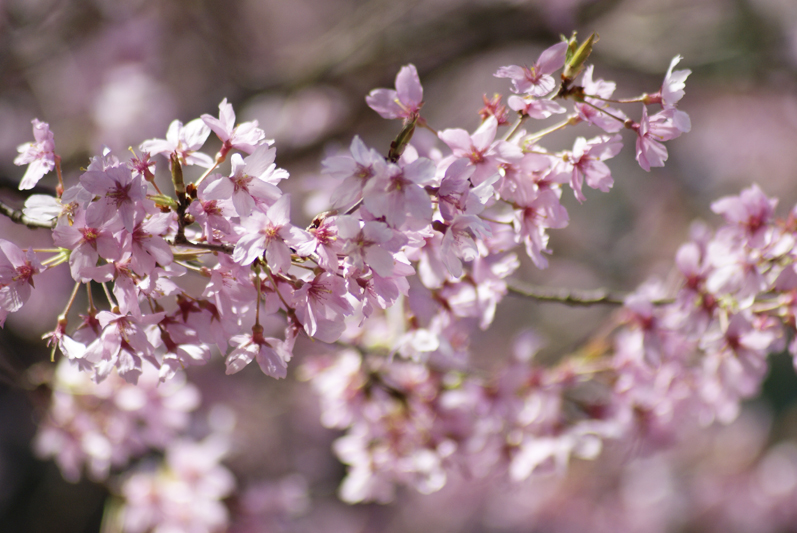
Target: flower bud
x=576, y=59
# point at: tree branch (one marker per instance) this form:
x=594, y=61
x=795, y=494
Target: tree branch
x=573, y=297
x=202, y=245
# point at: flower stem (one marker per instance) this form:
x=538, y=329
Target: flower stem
x=571, y=120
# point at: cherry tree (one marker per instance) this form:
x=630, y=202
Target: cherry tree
x=417, y=249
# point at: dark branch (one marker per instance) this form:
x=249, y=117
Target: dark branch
x=574, y=297
x=202, y=245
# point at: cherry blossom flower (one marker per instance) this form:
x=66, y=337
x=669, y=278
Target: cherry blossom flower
x=404, y=102
x=123, y=345
x=68, y=346
x=481, y=148
x=595, y=110
x=253, y=181
x=369, y=245
x=17, y=269
x=672, y=90
x=39, y=156
x=184, y=494
x=537, y=108
x=184, y=141
x=321, y=306
x=751, y=213
x=245, y=137
x=398, y=195
x=492, y=107
x=355, y=171
x=652, y=131
x=327, y=245
x=522, y=179
x=119, y=192
x=272, y=354
x=97, y=426
x=536, y=80
x=458, y=242
x=532, y=220
x=586, y=163
x=88, y=243
x=148, y=247
x=272, y=233
x=43, y=208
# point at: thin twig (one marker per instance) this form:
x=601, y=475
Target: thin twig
x=354, y=208
x=519, y=122
x=574, y=297
x=202, y=245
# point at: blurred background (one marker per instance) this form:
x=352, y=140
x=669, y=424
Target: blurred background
x=106, y=73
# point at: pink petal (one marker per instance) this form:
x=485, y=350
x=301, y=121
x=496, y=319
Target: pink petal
x=408, y=86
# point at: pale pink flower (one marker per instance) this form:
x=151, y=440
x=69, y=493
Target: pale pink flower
x=272, y=233
x=184, y=141
x=321, y=305
x=123, y=345
x=734, y=270
x=46, y=209
x=537, y=108
x=481, y=148
x=604, y=117
x=17, y=269
x=39, y=155
x=106, y=424
x=244, y=137
x=368, y=245
x=531, y=221
x=522, y=179
x=124, y=287
x=672, y=90
x=327, y=245
x=652, y=131
x=272, y=354
x=586, y=163
x=751, y=214
x=119, y=192
x=253, y=182
x=355, y=170
x=536, y=80
x=405, y=102
x=88, y=243
x=459, y=243
x=148, y=247
x=735, y=358
x=399, y=195
x=180, y=356
x=184, y=494
x=58, y=338
x=382, y=292
x=453, y=191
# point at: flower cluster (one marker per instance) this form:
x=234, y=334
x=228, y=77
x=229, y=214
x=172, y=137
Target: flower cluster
x=219, y=266
x=674, y=360
x=104, y=426
x=452, y=215
x=182, y=494
x=114, y=426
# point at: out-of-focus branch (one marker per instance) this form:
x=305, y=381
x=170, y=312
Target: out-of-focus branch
x=201, y=245
x=574, y=297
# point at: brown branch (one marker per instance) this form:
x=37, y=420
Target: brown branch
x=573, y=297
x=19, y=217
x=201, y=245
